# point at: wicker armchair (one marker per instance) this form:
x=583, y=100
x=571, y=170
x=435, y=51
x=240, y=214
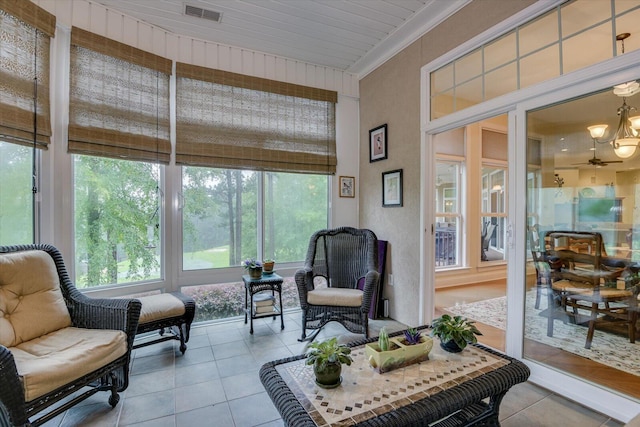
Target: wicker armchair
x=338, y=280
x=55, y=340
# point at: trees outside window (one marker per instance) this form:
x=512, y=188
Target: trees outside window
x=227, y=213
x=16, y=201
x=117, y=221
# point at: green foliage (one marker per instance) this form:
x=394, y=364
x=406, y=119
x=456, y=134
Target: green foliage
x=383, y=339
x=456, y=328
x=115, y=203
x=328, y=351
x=16, y=201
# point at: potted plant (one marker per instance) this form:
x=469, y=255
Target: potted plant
x=454, y=332
x=267, y=265
x=397, y=352
x=327, y=358
x=253, y=267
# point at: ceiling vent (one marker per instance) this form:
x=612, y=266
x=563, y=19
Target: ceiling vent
x=199, y=12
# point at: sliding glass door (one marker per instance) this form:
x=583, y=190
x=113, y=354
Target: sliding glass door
x=588, y=188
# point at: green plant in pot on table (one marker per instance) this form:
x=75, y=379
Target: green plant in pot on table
x=327, y=358
x=396, y=352
x=267, y=265
x=455, y=332
x=254, y=268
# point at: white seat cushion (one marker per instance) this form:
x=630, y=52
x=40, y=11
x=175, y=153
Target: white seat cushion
x=336, y=297
x=59, y=358
x=160, y=306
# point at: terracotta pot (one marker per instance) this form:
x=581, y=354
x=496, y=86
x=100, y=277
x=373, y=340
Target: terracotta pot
x=268, y=266
x=329, y=377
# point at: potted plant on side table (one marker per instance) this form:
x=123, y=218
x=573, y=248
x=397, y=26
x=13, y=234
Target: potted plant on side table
x=253, y=267
x=327, y=358
x=455, y=332
x=267, y=265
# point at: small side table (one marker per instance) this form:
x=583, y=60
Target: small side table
x=268, y=282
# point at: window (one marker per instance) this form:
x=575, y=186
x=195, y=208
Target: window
x=16, y=201
x=118, y=108
x=493, y=214
x=117, y=221
x=219, y=217
x=25, y=32
x=222, y=215
x=295, y=206
x=539, y=50
x=448, y=214
x=567, y=192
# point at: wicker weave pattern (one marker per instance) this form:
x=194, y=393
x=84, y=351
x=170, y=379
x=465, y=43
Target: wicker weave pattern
x=477, y=400
x=342, y=256
x=91, y=313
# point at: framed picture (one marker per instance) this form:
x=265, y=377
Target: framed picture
x=392, y=188
x=347, y=186
x=378, y=143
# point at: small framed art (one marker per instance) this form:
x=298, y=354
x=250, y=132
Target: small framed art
x=392, y=188
x=378, y=143
x=347, y=186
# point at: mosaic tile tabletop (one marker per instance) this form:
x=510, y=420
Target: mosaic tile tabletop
x=364, y=393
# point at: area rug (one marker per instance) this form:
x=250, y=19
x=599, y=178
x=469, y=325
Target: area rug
x=606, y=348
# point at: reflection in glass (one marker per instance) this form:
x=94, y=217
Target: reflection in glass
x=567, y=191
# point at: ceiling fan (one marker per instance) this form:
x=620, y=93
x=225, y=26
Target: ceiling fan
x=596, y=161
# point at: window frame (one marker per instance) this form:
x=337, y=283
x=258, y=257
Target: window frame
x=231, y=273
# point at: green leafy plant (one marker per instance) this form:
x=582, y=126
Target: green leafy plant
x=327, y=352
x=456, y=328
x=412, y=336
x=383, y=339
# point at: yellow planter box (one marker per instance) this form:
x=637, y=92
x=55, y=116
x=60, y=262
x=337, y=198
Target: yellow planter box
x=400, y=354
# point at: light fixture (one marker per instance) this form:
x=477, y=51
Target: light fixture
x=626, y=138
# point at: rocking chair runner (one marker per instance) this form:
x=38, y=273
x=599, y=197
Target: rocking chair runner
x=330, y=286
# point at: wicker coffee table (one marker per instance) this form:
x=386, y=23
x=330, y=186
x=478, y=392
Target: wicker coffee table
x=449, y=388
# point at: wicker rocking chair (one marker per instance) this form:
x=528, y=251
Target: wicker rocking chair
x=338, y=280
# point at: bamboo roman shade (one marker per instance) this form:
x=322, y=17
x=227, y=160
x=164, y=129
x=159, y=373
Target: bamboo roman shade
x=231, y=120
x=25, y=32
x=118, y=100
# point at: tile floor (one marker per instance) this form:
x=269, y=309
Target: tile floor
x=215, y=383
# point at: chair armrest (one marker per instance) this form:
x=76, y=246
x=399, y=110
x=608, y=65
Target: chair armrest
x=106, y=313
x=371, y=280
x=12, y=408
x=304, y=282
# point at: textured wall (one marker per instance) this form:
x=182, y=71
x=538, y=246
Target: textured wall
x=391, y=95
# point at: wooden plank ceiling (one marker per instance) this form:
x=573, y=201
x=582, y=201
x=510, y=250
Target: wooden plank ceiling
x=348, y=35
